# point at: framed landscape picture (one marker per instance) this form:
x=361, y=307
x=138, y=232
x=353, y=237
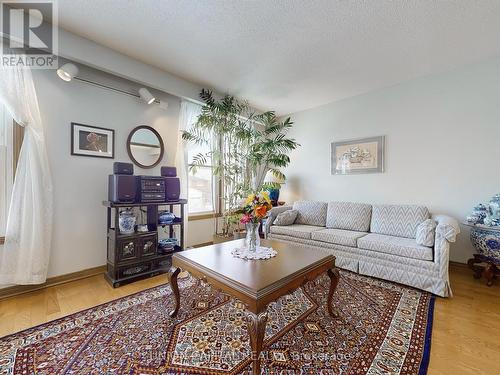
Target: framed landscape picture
x=357, y=156
x=89, y=140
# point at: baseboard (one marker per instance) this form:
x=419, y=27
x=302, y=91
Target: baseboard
x=56, y=280
x=458, y=265
x=51, y=281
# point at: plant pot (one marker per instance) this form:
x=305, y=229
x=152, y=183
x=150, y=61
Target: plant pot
x=239, y=234
x=220, y=238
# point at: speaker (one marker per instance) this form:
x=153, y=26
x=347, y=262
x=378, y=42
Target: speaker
x=168, y=172
x=121, y=188
x=172, y=188
x=123, y=168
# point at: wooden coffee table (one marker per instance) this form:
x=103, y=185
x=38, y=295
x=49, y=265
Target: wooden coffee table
x=256, y=283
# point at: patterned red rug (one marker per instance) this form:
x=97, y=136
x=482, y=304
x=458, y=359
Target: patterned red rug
x=381, y=328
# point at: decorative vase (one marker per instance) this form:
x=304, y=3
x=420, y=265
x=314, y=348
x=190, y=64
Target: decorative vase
x=166, y=217
x=487, y=243
x=480, y=212
x=494, y=208
x=274, y=195
x=252, y=239
x=126, y=221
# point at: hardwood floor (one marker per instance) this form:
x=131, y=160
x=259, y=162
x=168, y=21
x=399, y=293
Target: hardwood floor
x=465, y=337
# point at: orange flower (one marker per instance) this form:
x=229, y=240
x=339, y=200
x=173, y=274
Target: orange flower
x=260, y=211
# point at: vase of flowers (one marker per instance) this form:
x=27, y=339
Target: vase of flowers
x=254, y=209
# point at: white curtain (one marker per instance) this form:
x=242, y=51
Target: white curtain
x=24, y=257
x=188, y=116
x=6, y=166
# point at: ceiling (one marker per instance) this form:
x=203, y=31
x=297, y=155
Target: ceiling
x=290, y=55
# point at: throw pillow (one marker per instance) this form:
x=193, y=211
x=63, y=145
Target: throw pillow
x=286, y=218
x=426, y=232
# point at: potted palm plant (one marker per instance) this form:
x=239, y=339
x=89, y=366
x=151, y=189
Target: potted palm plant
x=244, y=147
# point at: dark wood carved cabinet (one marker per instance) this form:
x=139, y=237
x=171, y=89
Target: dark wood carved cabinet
x=131, y=257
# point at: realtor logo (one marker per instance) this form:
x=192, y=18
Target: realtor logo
x=30, y=34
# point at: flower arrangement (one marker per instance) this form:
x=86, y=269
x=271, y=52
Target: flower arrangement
x=255, y=207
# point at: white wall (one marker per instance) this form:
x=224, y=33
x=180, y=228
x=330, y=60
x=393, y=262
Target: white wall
x=87, y=52
x=80, y=183
x=442, y=145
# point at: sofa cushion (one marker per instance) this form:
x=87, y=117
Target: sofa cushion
x=311, y=213
x=397, y=220
x=400, y=246
x=338, y=236
x=295, y=230
x=349, y=216
x=426, y=233
x=286, y=218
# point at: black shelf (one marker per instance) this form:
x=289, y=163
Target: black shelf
x=173, y=223
x=135, y=256
x=143, y=204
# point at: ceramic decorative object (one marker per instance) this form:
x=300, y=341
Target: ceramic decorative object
x=126, y=221
x=252, y=239
x=142, y=228
x=487, y=243
x=478, y=214
x=167, y=245
x=485, y=236
x=259, y=253
x=493, y=218
x=166, y=217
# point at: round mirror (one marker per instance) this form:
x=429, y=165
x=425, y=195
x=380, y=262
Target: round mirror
x=145, y=146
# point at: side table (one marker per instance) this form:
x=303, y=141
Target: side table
x=486, y=241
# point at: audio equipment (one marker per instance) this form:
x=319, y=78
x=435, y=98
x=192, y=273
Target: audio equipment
x=168, y=172
x=123, y=168
x=121, y=188
x=150, y=189
x=172, y=188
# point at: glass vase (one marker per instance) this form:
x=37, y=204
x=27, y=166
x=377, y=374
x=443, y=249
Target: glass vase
x=252, y=239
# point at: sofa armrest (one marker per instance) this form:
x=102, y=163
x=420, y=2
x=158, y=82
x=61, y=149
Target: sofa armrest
x=447, y=227
x=446, y=232
x=271, y=216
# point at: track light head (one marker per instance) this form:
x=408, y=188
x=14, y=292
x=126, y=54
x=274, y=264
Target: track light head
x=67, y=72
x=146, y=95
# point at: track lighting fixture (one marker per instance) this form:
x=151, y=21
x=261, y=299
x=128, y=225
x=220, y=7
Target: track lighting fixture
x=67, y=72
x=146, y=95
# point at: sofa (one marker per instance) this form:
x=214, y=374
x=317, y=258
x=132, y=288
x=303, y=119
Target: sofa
x=377, y=240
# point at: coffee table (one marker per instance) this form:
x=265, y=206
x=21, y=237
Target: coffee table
x=255, y=283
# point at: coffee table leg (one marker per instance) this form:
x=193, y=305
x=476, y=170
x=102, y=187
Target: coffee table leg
x=256, y=324
x=334, y=275
x=173, y=272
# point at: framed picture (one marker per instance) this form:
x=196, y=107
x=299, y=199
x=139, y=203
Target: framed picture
x=89, y=140
x=365, y=155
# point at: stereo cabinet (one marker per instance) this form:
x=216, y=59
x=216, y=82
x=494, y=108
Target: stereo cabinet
x=135, y=256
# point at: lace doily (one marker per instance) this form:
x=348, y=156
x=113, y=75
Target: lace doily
x=260, y=253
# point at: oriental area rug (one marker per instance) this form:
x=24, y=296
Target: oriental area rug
x=380, y=328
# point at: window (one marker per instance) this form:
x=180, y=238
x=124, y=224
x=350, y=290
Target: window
x=202, y=184
x=11, y=136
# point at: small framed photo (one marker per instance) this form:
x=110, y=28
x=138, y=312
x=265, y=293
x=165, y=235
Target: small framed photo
x=365, y=155
x=89, y=140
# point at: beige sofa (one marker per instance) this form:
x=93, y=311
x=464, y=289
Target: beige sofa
x=373, y=240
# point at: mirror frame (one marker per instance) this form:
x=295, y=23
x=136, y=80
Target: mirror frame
x=129, y=151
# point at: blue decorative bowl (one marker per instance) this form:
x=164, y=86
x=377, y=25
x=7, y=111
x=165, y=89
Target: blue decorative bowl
x=166, y=217
x=487, y=243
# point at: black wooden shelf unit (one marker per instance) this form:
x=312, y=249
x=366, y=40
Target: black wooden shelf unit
x=131, y=257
